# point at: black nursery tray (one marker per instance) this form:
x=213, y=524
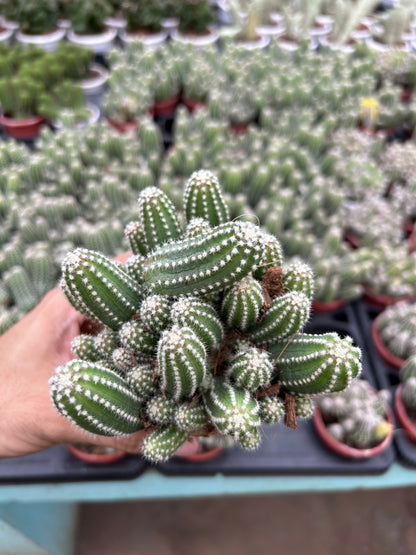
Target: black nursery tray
x=287, y=451
x=58, y=465
x=387, y=377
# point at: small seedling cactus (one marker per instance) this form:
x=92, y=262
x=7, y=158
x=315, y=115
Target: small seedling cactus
x=357, y=416
x=202, y=330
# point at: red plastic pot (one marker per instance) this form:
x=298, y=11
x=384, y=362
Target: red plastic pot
x=96, y=458
x=381, y=301
x=320, y=306
x=345, y=450
x=125, y=126
x=406, y=95
x=352, y=239
x=383, y=351
x=27, y=128
x=165, y=107
x=402, y=416
x=192, y=105
x=239, y=129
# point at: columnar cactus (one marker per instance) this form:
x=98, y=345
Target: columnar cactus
x=202, y=330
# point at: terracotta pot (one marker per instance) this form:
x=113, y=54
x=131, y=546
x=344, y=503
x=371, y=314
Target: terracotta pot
x=203, y=455
x=379, y=300
x=165, y=107
x=96, y=458
x=402, y=416
x=345, y=450
x=124, y=126
x=388, y=357
x=320, y=306
x=27, y=128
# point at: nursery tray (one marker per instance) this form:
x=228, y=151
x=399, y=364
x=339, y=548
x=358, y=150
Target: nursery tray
x=287, y=451
x=387, y=377
x=58, y=465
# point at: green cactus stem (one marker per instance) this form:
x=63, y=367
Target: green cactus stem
x=206, y=263
x=99, y=288
x=160, y=409
x=83, y=347
x=272, y=255
x=181, y=360
x=304, y=407
x=232, y=409
x=299, y=277
x=201, y=318
x=136, y=336
x=158, y=218
x=271, y=410
x=123, y=359
x=251, y=369
x=286, y=316
x=203, y=198
x=142, y=380
x=195, y=227
x=155, y=312
x=160, y=445
x=314, y=364
x=95, y=398
x=242, y=303
x=190, y=417
x=135, y=236
x=105, y=342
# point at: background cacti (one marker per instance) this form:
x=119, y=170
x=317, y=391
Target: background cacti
x=357, y=416
x=197, y=370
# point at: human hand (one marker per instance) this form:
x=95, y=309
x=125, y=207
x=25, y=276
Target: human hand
x=29, y=353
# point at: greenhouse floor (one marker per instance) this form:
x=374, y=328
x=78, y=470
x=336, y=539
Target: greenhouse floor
x=346, y=523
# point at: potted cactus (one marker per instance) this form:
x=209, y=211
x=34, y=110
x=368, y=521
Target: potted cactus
x=394, y=333
x=195, y=20
x=38, y=23
x=405, y=398
x=88, y=25
x=143, y=22
x=356, y=423
x=202, y=330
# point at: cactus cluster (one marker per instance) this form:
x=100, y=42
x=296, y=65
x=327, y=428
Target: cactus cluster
x=357, y=416
x=202, y=332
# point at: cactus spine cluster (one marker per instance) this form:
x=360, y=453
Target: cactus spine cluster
x=202, y=330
